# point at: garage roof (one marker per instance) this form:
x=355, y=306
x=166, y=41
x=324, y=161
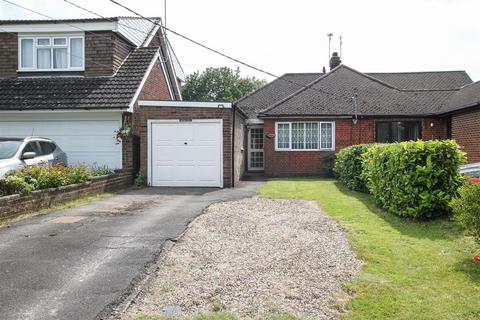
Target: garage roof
x=68, y=93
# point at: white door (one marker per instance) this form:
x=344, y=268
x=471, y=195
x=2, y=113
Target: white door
x=255, y=149
x=85, y=138
x=186, y=154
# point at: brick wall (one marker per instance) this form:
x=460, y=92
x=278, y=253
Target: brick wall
x=104, y=53
x=15, y=205
x=466, y=131
x=186, y=114
x=8, y=55
x=307, y=163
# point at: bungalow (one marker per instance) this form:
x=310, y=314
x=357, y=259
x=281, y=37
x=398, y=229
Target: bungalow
x=295, y=122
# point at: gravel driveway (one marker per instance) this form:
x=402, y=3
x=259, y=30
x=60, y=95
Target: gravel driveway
x=254, y=257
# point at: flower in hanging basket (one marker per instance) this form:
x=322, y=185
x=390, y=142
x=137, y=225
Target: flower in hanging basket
x=476, y=258
x=123, y=133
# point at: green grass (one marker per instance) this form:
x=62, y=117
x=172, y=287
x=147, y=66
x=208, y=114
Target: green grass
x=413, y=270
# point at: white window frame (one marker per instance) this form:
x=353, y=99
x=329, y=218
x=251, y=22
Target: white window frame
x=35, y=38
x=319, y=136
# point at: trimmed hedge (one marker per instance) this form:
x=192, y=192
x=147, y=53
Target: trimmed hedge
x=414, y=179
x=466, y=209
x=348, y=167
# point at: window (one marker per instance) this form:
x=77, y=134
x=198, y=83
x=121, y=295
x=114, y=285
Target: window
x=305, y=136
x=397, y=131
x=47, y=147
x=45, y=53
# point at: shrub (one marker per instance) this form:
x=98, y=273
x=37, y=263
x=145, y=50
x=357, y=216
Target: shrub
x=44, y=177
x=13, y=185
x=139, y=180
x=348, y=167
x=466, y=209
x=414, y=179
x=77, y=174
x=101, y=171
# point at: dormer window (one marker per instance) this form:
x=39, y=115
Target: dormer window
x=51, y=53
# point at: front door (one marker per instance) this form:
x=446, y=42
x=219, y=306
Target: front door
x=255, y=148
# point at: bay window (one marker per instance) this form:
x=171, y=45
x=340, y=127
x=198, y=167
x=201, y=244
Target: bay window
x=51, y=53
x=306, y=136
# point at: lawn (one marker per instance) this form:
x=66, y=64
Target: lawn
x=413, y=270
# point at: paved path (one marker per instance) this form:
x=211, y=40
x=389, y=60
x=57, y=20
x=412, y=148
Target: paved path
x=71, y=264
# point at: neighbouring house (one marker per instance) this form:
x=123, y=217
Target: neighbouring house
x=80, y=81
x=297, y=121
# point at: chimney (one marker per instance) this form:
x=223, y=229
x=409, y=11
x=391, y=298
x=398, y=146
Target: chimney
x=335, y=60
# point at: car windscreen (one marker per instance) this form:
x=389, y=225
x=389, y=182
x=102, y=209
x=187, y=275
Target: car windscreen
x=8, y=148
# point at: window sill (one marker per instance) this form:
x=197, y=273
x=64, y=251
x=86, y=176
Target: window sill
x=50, y=70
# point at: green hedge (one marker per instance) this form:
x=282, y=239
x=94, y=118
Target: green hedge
x=348, y=167
x=466, y=209
x=414, y=179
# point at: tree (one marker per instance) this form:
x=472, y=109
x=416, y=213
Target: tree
x=219, y=84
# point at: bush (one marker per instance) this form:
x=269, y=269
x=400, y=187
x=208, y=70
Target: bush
x=466, y=209
x=44, y=177
x=13, y=185
x=101, y=171
x=348, y=167
x=414, y=179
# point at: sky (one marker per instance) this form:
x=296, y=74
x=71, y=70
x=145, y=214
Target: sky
x=283, y=36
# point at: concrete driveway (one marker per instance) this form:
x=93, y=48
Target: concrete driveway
x=78, y=263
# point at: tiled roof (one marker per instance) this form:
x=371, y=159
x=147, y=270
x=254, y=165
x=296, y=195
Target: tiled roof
x=274, y=91
x=467, y=96
x=78, y=92
x=433, y=80
x=332, y=94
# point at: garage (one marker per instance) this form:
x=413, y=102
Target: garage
x=86, y=137
x=186, y=153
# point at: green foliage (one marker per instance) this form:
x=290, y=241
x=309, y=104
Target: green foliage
x=466, y=209
x=101, y=171
x=13, y=185
x=219, y=84
x=43, y=177
x=139, y=180
x=414, y=179
x=348, y=167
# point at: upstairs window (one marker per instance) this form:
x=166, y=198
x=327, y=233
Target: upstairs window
x=397, y=131
x=51, y=53
x=306, y=136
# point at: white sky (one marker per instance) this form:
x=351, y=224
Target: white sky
x=290, y=36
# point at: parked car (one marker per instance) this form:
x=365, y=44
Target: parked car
x=17, y=153
x=471, y=170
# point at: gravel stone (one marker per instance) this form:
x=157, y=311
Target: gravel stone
x=255, y=257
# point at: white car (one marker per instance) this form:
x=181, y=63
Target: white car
x=17, y=153
x=472, y=170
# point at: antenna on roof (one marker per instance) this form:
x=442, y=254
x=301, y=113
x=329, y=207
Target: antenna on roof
x=165, y=14
x=329, y=35
x=341, y=42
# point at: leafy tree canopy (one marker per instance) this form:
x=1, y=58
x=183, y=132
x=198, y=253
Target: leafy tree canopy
x=219, y=84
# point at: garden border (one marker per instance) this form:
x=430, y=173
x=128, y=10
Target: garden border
x=18, y=204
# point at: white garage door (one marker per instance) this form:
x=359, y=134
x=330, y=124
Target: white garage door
x=186, y=154
x=85, y=138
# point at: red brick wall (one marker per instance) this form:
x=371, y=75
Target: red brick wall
x=305, y=163
x=149, y=113
x=466, y=131
x=154, y=88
